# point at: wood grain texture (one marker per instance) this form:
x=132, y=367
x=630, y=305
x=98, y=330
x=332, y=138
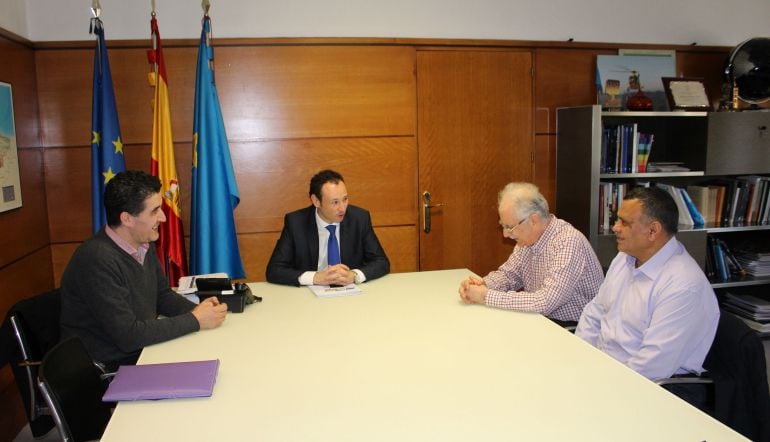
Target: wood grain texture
x=706, y=65
x=564, y=77
x=18, y=70
x=475, y=120
x=27, y=276
x=273, y=178
x=264, y=92
x=60, y=257
x=25, y=229
x=316, y=91
x=544, y=175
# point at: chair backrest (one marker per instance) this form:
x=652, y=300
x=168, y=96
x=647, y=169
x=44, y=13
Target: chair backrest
x=73, y=389
x=736, y=362
x=34, y=326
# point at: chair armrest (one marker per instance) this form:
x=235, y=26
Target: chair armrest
x=685, y=380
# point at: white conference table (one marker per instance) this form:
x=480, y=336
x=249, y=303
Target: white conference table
x=405, y=361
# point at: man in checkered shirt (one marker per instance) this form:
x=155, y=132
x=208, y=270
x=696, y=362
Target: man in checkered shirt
x=552, y=271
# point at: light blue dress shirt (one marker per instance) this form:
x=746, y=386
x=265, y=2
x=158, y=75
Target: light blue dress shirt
x=658, y=319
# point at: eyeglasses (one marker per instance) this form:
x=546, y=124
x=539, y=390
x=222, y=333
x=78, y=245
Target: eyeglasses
x=510, y=229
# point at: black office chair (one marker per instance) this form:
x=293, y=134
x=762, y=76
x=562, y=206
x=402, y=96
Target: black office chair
x=737, y=375
x=30, y=329
x=73, y=388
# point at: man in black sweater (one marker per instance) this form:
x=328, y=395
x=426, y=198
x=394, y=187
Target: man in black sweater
x=113, y=288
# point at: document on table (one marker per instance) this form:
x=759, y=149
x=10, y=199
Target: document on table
x=325, y=291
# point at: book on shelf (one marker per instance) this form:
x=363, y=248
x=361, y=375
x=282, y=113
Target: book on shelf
x=697, y=218
x=720, y=266
x=673, y=166
x=645, y=146
x=705, y=199
x=621, y=148
x=610, y=196
x=685, y=219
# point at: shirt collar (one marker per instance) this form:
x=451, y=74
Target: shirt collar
x=545, y=238
x=321, y=223
x=137, y=254
x=657, y=263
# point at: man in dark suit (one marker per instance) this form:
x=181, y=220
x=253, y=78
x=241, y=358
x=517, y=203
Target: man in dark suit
x=328, y=243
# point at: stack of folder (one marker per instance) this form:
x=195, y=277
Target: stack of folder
x=754, y=311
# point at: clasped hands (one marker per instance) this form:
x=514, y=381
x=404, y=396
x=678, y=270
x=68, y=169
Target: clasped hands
x=338, y=274
x=473, y=290
x=210, y=313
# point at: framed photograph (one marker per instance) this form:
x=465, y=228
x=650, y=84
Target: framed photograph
x=686, y=94
x=10, y=184
x=619, y=77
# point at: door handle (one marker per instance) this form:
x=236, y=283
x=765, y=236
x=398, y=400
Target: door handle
x=426, y=206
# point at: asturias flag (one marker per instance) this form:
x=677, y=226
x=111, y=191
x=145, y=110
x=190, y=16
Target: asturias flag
x=170, y=244
x=106, y=146
x=213, y=242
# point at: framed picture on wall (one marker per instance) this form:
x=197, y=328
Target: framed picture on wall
x=619, y=77
x=10, y=184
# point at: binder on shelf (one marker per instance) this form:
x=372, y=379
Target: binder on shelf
x=697, y=219
x=163, y=381
x=685, y=219
x=705, y=199
x=720, y=268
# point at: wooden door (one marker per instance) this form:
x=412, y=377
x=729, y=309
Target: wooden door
x=474, y=126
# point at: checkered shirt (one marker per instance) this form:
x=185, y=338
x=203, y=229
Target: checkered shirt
x=557, y=276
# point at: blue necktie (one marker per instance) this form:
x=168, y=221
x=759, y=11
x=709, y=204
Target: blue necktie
x=333, y=248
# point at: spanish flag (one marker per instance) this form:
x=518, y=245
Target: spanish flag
x=170, y=245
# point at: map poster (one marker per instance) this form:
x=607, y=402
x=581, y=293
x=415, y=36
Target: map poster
x=10, y=184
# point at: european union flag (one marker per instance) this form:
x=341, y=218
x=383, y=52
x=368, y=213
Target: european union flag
x=213, y=242
x=106, y=145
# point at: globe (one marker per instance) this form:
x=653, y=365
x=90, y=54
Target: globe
x=748, y=66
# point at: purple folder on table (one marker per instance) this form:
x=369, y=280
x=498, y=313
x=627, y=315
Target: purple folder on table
x=163, y=381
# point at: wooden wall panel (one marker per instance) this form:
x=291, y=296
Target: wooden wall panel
x=25, y=229
x=25, y=261
x=265, y=92
x=27, y=276
x=400, y=244
x=317, y=91
x=544, y=175
x=273, y=178
x=18, y=70
x=60, y=256
x=705, y=65
x=564, y=77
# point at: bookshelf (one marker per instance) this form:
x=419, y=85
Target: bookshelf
x=710, y=145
